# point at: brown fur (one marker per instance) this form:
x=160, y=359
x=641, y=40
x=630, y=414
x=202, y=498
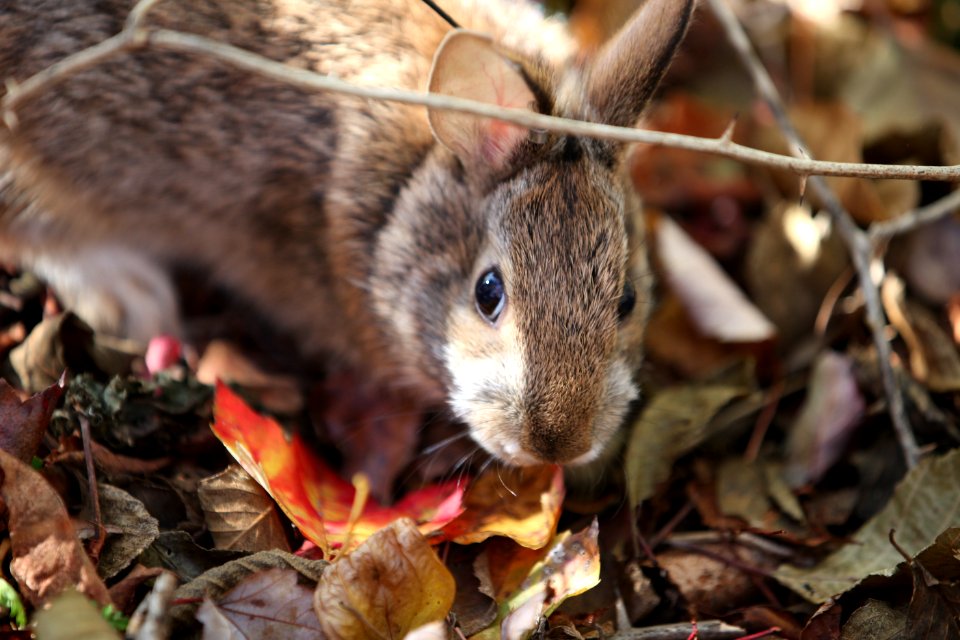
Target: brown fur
x=343, y=220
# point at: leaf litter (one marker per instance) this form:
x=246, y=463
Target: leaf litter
x=760, y=493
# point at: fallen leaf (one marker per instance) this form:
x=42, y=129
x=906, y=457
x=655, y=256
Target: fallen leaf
x=47, y=557
x=126, y=593
x=71, y=616
x=934, y=607
x=472, y=609
x=672, y=339
x=953, y=310
x=832, y=410
x=570, y=567
x=315, y=498
x=179, y=553
x=875, y=620
x=502, y=567
x=59, y=343
x=674, y=422
x=710, y=577
x=223, y=577
x=224, y=361
x=824, y=624
x=520, y=504
x=239, y=513
x=744, y=489
x=390, y=585
x=716, y=305
x=925, y=502
x=640, y=598
x=131, y=529
x=266, y=604
x=22, y=424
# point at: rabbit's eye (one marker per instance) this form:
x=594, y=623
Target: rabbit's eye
x=628, y=301
x=490, y=295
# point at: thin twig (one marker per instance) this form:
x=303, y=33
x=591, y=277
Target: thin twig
x=910, y=220
x=706, y=630
x=99, y=532
x=133, y=37
x=857, y=241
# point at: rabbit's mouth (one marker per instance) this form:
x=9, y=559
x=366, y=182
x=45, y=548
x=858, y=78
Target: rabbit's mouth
x=489, y=393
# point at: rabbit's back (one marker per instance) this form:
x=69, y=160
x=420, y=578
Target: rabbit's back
x=186, y=160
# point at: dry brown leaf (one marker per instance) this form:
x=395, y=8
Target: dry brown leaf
x=65, y=342
x=131, y=529
x=744, y=489
x=473, y=609
x=875, y=620
x=390, y=585
x=503, y=565
x=717, y=306
x=713, y=585
x=672, y=339
x=47, y=557
x=22, y=424
x=224, y=361
x=239, y=513
x=832, y=410
x=266, y=604
x=675, y=421
x=125, y=592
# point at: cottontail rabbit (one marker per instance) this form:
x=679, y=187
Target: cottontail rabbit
x=462, y=261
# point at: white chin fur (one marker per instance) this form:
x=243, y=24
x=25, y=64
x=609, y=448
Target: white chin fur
x=486, y=394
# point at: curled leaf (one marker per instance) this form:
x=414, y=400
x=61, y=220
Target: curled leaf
x=390, y=585
x=571, y=567
x=521, y=504
x=47, y=556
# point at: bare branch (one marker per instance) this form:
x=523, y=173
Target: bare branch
x=857, y=241
x=912, y=219
x=133, y=37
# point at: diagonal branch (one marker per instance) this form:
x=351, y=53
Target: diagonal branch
x=910, y=220
x=857, y=241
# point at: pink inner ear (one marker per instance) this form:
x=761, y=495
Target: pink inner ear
x=468, y=65
x=499, y=139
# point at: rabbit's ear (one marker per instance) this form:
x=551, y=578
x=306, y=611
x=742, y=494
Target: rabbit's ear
x=626, y=71
x=468, y=65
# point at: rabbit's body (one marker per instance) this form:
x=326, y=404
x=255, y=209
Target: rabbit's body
x=346, y=222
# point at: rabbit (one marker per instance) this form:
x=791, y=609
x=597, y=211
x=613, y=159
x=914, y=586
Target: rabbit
x=463, y=262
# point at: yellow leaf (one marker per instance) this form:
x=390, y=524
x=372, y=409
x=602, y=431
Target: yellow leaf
x=390, y=585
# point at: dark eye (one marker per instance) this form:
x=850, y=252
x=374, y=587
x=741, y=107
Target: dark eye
x=628, y=300
x=490, y=295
